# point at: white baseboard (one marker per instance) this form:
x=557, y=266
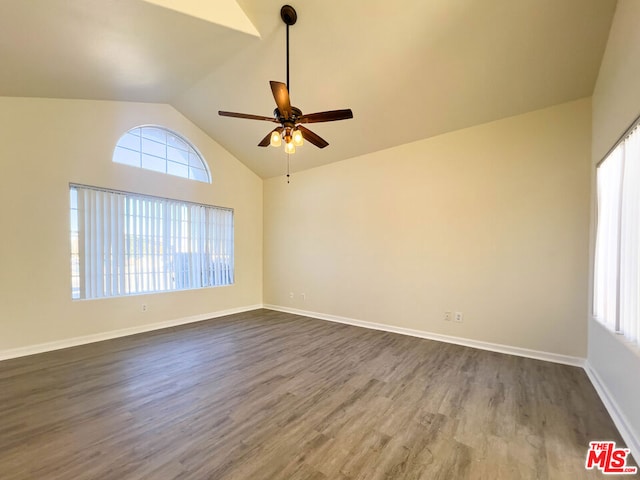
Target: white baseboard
x=619, y=419
x=493, y=347
x=99, y=337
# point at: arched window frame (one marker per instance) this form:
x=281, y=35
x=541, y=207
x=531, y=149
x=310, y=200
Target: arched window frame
x=147, y=153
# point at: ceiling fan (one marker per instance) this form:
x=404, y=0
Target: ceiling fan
x=289, y=117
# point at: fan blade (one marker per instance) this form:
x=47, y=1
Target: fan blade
x=312, y=137
x=267, y=140
x=246, y=115
x=281, y=96
x=330, y=116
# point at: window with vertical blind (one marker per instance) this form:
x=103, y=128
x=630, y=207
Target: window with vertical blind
x=125, y=243
x=616, y=296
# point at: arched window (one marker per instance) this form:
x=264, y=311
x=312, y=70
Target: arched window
x=161, y=150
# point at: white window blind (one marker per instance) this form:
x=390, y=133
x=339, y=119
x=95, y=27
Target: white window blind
x=617, y=256
x=125, y=243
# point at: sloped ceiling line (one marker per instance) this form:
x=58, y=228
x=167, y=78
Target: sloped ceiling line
x=409, y=70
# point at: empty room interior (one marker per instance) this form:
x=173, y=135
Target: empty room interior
x=324, y=240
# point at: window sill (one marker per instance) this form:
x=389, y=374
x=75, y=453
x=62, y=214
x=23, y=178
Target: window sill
x=633, y=347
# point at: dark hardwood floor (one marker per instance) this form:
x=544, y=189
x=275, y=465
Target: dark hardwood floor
x=268, y=395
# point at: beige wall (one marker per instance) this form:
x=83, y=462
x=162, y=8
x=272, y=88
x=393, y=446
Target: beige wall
x=616, y=104
x=48, y=143
x=491, y=221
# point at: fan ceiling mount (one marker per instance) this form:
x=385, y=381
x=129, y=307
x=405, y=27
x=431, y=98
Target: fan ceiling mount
x=289, y=117
x=288, y=14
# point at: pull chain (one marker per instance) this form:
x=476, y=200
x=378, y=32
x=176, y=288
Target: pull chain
x=288, y=167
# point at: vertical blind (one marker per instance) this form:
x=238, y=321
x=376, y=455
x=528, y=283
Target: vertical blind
x=617, y=256
x=125, y=243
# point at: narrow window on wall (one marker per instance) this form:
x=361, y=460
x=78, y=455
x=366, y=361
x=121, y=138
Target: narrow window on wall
x=126, y=243
x=616, y=299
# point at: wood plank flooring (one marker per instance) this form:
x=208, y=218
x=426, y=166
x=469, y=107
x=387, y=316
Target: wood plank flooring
x=268, y=395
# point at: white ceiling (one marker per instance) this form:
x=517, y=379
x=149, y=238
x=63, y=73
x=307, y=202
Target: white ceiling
x=408, y=70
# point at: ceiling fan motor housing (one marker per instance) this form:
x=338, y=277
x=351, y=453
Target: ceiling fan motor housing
x=294, y=114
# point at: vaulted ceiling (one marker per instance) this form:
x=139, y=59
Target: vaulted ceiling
x=408, y=70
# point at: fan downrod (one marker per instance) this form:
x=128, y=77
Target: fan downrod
x=288, y=15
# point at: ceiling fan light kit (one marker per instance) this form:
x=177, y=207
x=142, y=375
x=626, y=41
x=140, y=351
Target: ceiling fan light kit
x=289, y=117
x=276, y=139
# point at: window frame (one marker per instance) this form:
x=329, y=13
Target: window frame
x=614, y=326
x=167, y=161
x=79, y=257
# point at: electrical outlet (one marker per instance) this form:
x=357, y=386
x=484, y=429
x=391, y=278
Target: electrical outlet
x=144, y=307
x=303, y=296
x=458, y=317
x=447, y=316
x=291, y=295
